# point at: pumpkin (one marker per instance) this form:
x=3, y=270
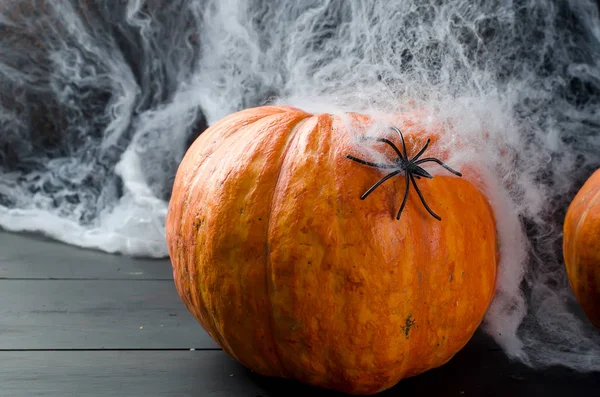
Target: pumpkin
x=581, y=247
x=293, y=275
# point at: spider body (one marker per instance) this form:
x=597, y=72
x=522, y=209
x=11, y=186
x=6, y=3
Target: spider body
x=402, y=164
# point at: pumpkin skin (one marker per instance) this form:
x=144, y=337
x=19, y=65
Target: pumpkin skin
x=294, y=276
x=581, y=247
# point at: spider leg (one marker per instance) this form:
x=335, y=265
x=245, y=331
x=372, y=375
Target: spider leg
x=384, y=140
x=406, y=175
x=376, y=165
x=433, y=159
x=423, y=199
x=385, y=178
x=402, y=139
x=420, y=152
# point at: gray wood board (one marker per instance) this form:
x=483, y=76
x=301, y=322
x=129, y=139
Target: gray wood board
x=95, y=314
x=26, y=256
x=475, y=371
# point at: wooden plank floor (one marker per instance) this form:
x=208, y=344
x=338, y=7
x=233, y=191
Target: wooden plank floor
x=81, y=323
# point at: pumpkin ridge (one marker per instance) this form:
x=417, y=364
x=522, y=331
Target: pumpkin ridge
x=213, y=326
x=268, y=268
x=248, y=131
x=216, y=127
x=195, y=294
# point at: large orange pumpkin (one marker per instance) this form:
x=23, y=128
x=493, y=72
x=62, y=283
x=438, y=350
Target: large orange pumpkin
x=581, y=247
x=295, y=276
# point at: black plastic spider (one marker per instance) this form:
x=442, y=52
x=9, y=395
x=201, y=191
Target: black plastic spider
x=411, y=169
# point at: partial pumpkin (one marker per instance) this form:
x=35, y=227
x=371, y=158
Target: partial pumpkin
x=295, y=276
x=581, y=247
